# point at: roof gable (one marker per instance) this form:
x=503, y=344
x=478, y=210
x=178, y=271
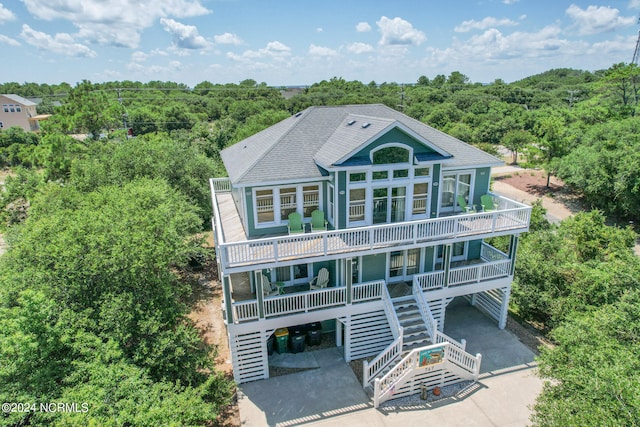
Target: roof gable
x=358, y=136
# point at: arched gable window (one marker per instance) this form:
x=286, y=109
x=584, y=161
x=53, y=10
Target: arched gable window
x=391, y=154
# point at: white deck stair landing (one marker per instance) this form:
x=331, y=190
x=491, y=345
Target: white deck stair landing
x=428, y=357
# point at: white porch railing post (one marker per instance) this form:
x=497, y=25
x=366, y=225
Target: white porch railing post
x=376, y=393
x=476, y=372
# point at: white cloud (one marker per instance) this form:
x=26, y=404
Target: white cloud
x=61, y=43
x=359, y=48
x=6, y=14
x=363, y=27
x=510, y=1
x=139, y=56
x=597, y=19
x=8, y=40
x=498, y=55
x=321, y=51
x=397, y=31
x=319, y=30
x=634, y=4
x=113, y=22
x=184, y=36
x=228, y=38
x=274, y=49
x=488, y=22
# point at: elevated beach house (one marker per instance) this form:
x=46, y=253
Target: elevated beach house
x=368, y=223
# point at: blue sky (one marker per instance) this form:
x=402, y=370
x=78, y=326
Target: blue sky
x=285, y=42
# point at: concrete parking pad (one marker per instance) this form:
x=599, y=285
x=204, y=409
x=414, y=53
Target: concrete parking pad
x=331, y=394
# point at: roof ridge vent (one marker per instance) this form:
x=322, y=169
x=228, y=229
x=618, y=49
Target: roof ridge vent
x=366, y=125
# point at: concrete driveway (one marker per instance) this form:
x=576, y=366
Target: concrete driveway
x=331, y=394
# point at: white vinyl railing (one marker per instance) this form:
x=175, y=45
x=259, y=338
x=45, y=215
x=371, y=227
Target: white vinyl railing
x=362, y=239
x=464, y=275
x=383, y=387
x=303, y=302
x=221, y=185
x=245, y=310
x=371, y=369
x=425, y=311
x=367, y=291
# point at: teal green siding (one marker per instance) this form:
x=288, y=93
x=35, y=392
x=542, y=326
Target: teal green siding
x=428, y=259
x=473, y=250
x=397, y=136
x=374, y=267
x=483, y=175
x=435, y=189
x=341, y=183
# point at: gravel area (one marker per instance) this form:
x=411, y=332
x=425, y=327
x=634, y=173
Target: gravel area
x=450, y=391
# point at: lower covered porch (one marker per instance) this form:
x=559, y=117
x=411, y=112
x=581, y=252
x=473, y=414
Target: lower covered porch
x=294, y=289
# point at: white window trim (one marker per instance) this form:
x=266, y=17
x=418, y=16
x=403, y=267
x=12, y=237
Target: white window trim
x=276, y=203
x=404, y=277
x=465, y=253
x=369, y=184
x=471, y=172
x=331, y=193
x=293, y=281
x=390, y=145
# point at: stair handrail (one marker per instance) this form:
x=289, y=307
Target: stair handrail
x=371, y=369
x=391, y=312
x=435, y=335
x=383, y=386
x=425, y=311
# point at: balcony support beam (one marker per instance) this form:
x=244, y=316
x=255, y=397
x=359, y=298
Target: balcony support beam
x=446, y=262
x=228, y=302
x=259, y=293
x=513, y=250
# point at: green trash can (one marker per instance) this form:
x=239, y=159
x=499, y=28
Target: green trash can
x=282, y=339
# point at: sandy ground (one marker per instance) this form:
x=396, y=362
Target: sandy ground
x=525, y=185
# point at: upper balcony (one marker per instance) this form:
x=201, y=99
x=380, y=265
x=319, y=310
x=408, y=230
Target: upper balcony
x=237, y=253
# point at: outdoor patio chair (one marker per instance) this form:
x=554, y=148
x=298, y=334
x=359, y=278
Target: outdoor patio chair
x=295, y=223
x=318, y=223
x=269, y=289
x=321, y=280
x=463, y=205
x=487, y=203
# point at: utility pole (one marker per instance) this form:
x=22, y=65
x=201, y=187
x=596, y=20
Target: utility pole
x=571, y=97
x=401, y=105
x=124, y=115
x=636, y=53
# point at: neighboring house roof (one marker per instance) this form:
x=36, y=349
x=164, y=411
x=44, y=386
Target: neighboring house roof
x=293, y=148
x=20, y=100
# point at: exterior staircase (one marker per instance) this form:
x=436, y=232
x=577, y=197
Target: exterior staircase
x=400, y=370
x=415, y=332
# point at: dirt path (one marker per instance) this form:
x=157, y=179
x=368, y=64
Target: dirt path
x=530, y=185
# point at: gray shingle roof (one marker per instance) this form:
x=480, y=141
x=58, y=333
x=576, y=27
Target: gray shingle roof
x=293, y=148
x=20, y=100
